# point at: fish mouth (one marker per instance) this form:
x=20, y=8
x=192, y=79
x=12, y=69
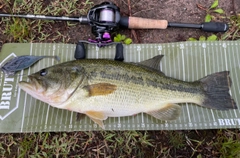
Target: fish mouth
x=34, y=88
x=31, y=85
x=37, y=88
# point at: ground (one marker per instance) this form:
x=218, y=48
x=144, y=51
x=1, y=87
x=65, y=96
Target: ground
x=182, y=11
x=199, y=143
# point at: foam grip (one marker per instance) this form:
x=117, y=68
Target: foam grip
x=214, y=27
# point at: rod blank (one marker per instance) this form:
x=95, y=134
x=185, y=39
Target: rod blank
x=133, y=22
x=81, y=19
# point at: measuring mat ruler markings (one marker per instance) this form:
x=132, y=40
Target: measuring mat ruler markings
x=187, y=61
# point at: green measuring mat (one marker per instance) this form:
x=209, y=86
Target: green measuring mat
x=188, y=61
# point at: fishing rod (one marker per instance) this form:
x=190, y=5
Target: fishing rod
x=105, y=18
x=130, y=22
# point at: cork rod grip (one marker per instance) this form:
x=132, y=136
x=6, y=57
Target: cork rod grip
x=143, y=23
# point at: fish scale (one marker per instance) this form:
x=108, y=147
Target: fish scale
x=149, y=78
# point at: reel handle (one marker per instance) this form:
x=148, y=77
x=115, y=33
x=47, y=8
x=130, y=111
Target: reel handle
x=142, y=23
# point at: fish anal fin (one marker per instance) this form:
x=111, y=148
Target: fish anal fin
x=168, y=112
x=97, y=117
x=101, y=89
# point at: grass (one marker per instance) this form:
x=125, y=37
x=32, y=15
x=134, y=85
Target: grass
x=25, y=30
x=234, y=31
x=228, y=143
x=200, y=144
x=216, y=143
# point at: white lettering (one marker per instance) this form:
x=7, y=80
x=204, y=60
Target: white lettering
x=221, y=122
x=233, y=121
x=8, y=80
x=7, y=87
x=238, y=121
x=227, y=121
x=5, y=105
x=6, y=94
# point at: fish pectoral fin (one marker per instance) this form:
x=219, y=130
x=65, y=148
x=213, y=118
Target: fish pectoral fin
x=168, y=112
x=100, y=89
x=97, y=117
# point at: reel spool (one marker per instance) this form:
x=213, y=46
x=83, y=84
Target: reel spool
x=103, y=19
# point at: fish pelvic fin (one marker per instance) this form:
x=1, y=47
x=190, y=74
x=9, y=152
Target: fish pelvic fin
x=168, y=112
x=99, y=122
x=100, y=89
x=216, y=91
x=97, y=117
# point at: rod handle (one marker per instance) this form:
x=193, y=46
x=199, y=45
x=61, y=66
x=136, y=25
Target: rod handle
x=142, y=23
x=215, y=27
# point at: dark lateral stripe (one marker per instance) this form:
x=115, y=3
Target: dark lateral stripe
x=120, y=77
x=173, y=85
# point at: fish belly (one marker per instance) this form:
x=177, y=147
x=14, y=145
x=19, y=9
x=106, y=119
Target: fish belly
x=129, y=99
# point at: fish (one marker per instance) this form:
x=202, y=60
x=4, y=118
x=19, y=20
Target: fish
x=102, y=88
x=22, y=62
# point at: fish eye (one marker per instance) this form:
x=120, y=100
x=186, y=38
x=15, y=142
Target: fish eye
x=43, y=72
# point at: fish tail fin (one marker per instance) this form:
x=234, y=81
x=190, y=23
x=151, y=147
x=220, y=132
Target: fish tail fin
x=216, y=90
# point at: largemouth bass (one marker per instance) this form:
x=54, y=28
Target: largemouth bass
x=103, y=88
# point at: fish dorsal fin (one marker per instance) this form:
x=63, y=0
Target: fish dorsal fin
x=168, y=112
x=100, y=89
x=97, y=117
x=153, y=62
